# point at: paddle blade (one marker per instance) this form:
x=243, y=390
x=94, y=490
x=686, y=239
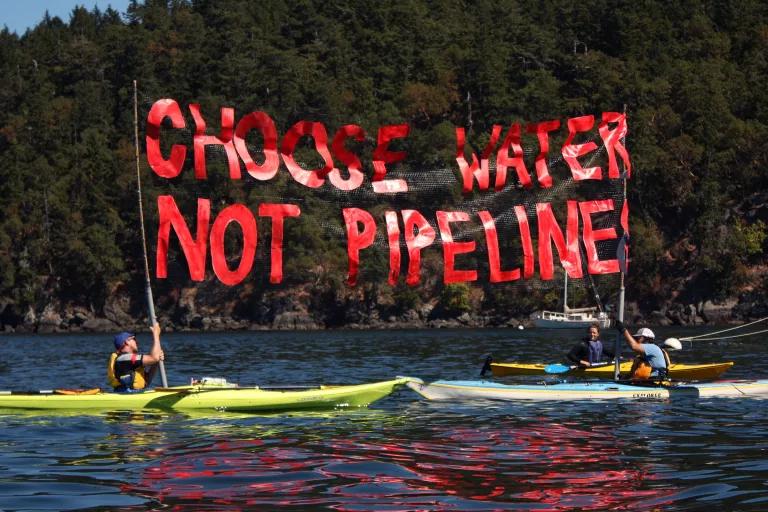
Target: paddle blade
x=486, y=366
x=557, y=368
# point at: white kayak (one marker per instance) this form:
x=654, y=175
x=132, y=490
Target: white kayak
x=488, y=390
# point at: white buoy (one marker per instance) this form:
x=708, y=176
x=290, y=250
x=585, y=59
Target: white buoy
x=673, y=343
x=520, y=327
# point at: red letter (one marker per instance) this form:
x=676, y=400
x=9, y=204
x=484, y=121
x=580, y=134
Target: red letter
x=612, y=141
x=224, y=139
x=525, y=240
x=347, y=158
x=393, y=235
x=416, y=242
x=542, y=132
x=549, y=230
x=162, y=167
x=494, y=261
x=381, y=157
x=243, y=216
x=594, y=264
x=266, y=126
x=278, y=212
x=356, y=239
x=316, y=177
x=622, y=251
x=503, y=160
x=451, y=248
x=194, y=251
x=571, y=151
x=475, y=170
x=625, y=217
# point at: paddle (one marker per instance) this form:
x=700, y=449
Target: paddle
x=486, y=366
x=562, y=368
x=558, y=368
x=91, y=391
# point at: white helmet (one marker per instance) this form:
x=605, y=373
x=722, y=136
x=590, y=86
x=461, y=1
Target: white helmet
x=673, y=344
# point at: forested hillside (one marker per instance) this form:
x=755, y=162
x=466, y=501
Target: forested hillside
x=691, y=76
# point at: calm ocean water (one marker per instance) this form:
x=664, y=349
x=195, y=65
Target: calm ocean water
x=403, y=453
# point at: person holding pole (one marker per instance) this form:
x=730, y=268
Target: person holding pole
x=156, y=356
x=130, y=370
x=651, y=362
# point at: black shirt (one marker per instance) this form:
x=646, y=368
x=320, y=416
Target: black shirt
x=580, y=352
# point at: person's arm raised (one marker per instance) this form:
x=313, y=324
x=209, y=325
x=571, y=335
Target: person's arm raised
x=635, y=345
x=631, y=341
x=156, y=353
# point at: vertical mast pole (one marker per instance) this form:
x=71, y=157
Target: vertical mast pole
x=148, y=284
x=619, y=336
x=565, y=291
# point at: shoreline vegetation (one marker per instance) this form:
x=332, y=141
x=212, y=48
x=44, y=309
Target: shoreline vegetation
x=690, y=77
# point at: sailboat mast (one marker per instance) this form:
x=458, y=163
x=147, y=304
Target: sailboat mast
x=565, y=291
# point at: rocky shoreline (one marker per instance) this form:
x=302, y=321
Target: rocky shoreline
x=120, y=313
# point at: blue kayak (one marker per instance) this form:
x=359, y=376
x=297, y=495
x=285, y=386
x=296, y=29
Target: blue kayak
x=605, y=390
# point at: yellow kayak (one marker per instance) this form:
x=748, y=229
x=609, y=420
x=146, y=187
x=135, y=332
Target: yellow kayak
x=677, y=371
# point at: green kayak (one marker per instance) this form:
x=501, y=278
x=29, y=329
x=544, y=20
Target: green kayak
x=202, y=397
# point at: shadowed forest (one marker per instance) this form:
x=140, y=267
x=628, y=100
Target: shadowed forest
x=690, y=75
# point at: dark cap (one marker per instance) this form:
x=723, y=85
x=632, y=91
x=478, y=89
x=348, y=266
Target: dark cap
x=121, y=338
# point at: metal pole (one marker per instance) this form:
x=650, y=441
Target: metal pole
x=148, y=284
x=565, y=290
x=619, y=336
x=617, y=347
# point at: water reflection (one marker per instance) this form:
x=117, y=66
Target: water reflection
x=402, y=454
x=549, y=466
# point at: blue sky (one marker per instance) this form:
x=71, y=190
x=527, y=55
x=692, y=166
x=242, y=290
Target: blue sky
x=20, y=15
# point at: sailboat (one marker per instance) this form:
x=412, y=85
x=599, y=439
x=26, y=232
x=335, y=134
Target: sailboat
x=571, y=318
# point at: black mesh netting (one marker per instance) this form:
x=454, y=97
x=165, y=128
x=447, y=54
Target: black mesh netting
x=434, y=183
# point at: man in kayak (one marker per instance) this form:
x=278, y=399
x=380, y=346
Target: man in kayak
x=590, y=350
x=651, y=362
x=130, y=370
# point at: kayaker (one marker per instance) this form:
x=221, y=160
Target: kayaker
x=590, y=350
x=128, y=369
x=651, y=362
